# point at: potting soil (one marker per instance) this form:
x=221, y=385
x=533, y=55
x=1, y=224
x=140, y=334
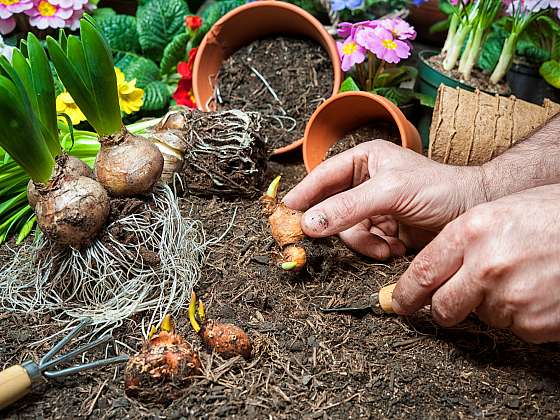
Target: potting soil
x=378, y=130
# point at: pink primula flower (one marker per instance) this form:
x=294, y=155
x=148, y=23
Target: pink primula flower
x=399, y=28
x=350, y=53
x=70, y=4
x=383, y=45
x=346, y=29
x=8, y=8
x=45, y=14
x=7, y=25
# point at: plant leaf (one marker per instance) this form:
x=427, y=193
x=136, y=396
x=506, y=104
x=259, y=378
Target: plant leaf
x=550, y=71
x=156, y=96
x=159, y=21
x=144, y=70
x=492, y=48
x=174, y=52
x=101, y=69
x=349, y=85
x=73, y=82
x=26, y=228
x=120, y=32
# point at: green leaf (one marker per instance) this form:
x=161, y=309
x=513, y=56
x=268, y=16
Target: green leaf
x=73, y=82
x=156, y=96
x=58, y=86
x=401, y=96
x=441, y=26
x=395, y=76
x=101, y=69
x=159, y=21
x=26, y=229
x=103, y=13
x=144, y=70
x=212, y=14
x=550, y=71
x=349, y=85
x=43, y=86
x=426, y=100
x=121, y=33
x=491, y=50
x=529, y=46
x=174, y=52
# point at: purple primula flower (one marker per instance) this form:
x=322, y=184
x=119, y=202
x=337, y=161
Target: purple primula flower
x=45, y=15
x=7, y=25
x=338, y=5
x=383, y=45
x=8, y=8
x=350, y=53
x=346, y=29
x=399, y=28
x=70, y=4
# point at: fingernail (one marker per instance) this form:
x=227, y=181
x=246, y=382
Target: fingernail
x=315, y=221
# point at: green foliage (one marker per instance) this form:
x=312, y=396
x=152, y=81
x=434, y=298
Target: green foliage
x=349, y=85
x=103, y=12
x=550, y=71
x=144, y=70
x=159, y=22
x=492, y=48
x=174, y=52
x=395, y=76
x=85, y=67
x=120, y=32
x=401, y=96
x=156, y=96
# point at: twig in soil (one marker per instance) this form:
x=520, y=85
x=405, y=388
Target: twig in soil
x=328, y=407
x=407, y=342
x=97, y=395
x=267, y=85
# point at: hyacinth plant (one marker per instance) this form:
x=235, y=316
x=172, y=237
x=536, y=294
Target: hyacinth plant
x=370, y=53
x=43, y=14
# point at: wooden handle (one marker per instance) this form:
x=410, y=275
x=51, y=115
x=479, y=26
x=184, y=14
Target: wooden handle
x=386, y=298
x=14, y=384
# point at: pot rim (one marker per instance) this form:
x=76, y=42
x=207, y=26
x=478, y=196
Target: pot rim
x=398, y=117
x=329, y=47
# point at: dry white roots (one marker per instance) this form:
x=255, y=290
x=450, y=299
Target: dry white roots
x=110, y=281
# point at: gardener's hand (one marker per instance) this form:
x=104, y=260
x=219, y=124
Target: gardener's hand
x=363, y=192
x=500, y=259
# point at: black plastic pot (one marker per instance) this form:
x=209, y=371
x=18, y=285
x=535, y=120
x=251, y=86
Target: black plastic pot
x=526, y=83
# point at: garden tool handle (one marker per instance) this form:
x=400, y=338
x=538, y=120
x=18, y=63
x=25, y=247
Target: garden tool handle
x=15, y=383
x=386, y=298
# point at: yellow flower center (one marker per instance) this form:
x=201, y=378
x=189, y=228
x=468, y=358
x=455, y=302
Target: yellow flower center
x=46, y=9
x=9, y=2
x=389, y=44
x=349, y=48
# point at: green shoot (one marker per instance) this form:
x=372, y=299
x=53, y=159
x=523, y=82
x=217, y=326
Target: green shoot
x=85, y=67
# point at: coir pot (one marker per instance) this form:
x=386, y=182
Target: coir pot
x=347, y=112
x=249, y=23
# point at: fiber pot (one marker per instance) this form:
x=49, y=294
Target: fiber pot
x=347, y=112
x=429, y=80
x=249, y=23
x=526, y=83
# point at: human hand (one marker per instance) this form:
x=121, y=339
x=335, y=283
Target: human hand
x=363, y=192
x=501, y=260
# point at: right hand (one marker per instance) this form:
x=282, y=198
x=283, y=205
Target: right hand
x=363, y=192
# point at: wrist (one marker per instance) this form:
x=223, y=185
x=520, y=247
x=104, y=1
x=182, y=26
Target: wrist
x=471, y=183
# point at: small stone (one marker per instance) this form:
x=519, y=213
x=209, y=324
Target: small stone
x=121, y=402
x=306, y=379
x=312, y=341
x=297, y=346
x=261, y=259
x=511, y=390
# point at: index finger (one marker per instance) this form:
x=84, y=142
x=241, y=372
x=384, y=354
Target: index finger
x=336, y=174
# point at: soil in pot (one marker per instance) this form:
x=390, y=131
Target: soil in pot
x=378, y=130
x=479, y=80
x=284, y=79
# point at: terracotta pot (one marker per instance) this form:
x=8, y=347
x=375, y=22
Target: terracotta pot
x=246, y=24
x=347, y=112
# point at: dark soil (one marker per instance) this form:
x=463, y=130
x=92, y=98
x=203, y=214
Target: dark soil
x=479, y=79
x=299, y=72
x=379, y=130
x=306, y=364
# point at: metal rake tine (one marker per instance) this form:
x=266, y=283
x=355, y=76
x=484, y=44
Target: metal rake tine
x=64, y=341
x=75, y=369
x=80, y=350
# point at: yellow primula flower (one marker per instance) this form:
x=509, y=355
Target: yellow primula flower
x=131, y=98
x=65, y=105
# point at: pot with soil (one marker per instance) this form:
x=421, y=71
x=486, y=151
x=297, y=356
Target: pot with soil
x=353, y=118
x=271, y=57
x=526, y=83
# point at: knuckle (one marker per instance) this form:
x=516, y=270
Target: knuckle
x=421, y=269
x=442, y=312
x=344, y=207
x=494, y=268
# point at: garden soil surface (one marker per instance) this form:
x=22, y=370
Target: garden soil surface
x=307, y=365
x=284, y=79
x=369, y=132
x=479, y=80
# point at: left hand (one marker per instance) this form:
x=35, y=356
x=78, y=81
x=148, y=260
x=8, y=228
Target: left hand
x=500, y=260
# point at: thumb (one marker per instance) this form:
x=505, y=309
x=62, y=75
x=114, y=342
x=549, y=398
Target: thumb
x=347, y=209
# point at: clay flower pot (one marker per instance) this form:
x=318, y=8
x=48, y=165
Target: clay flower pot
x=347, y=112
x=249, y=23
